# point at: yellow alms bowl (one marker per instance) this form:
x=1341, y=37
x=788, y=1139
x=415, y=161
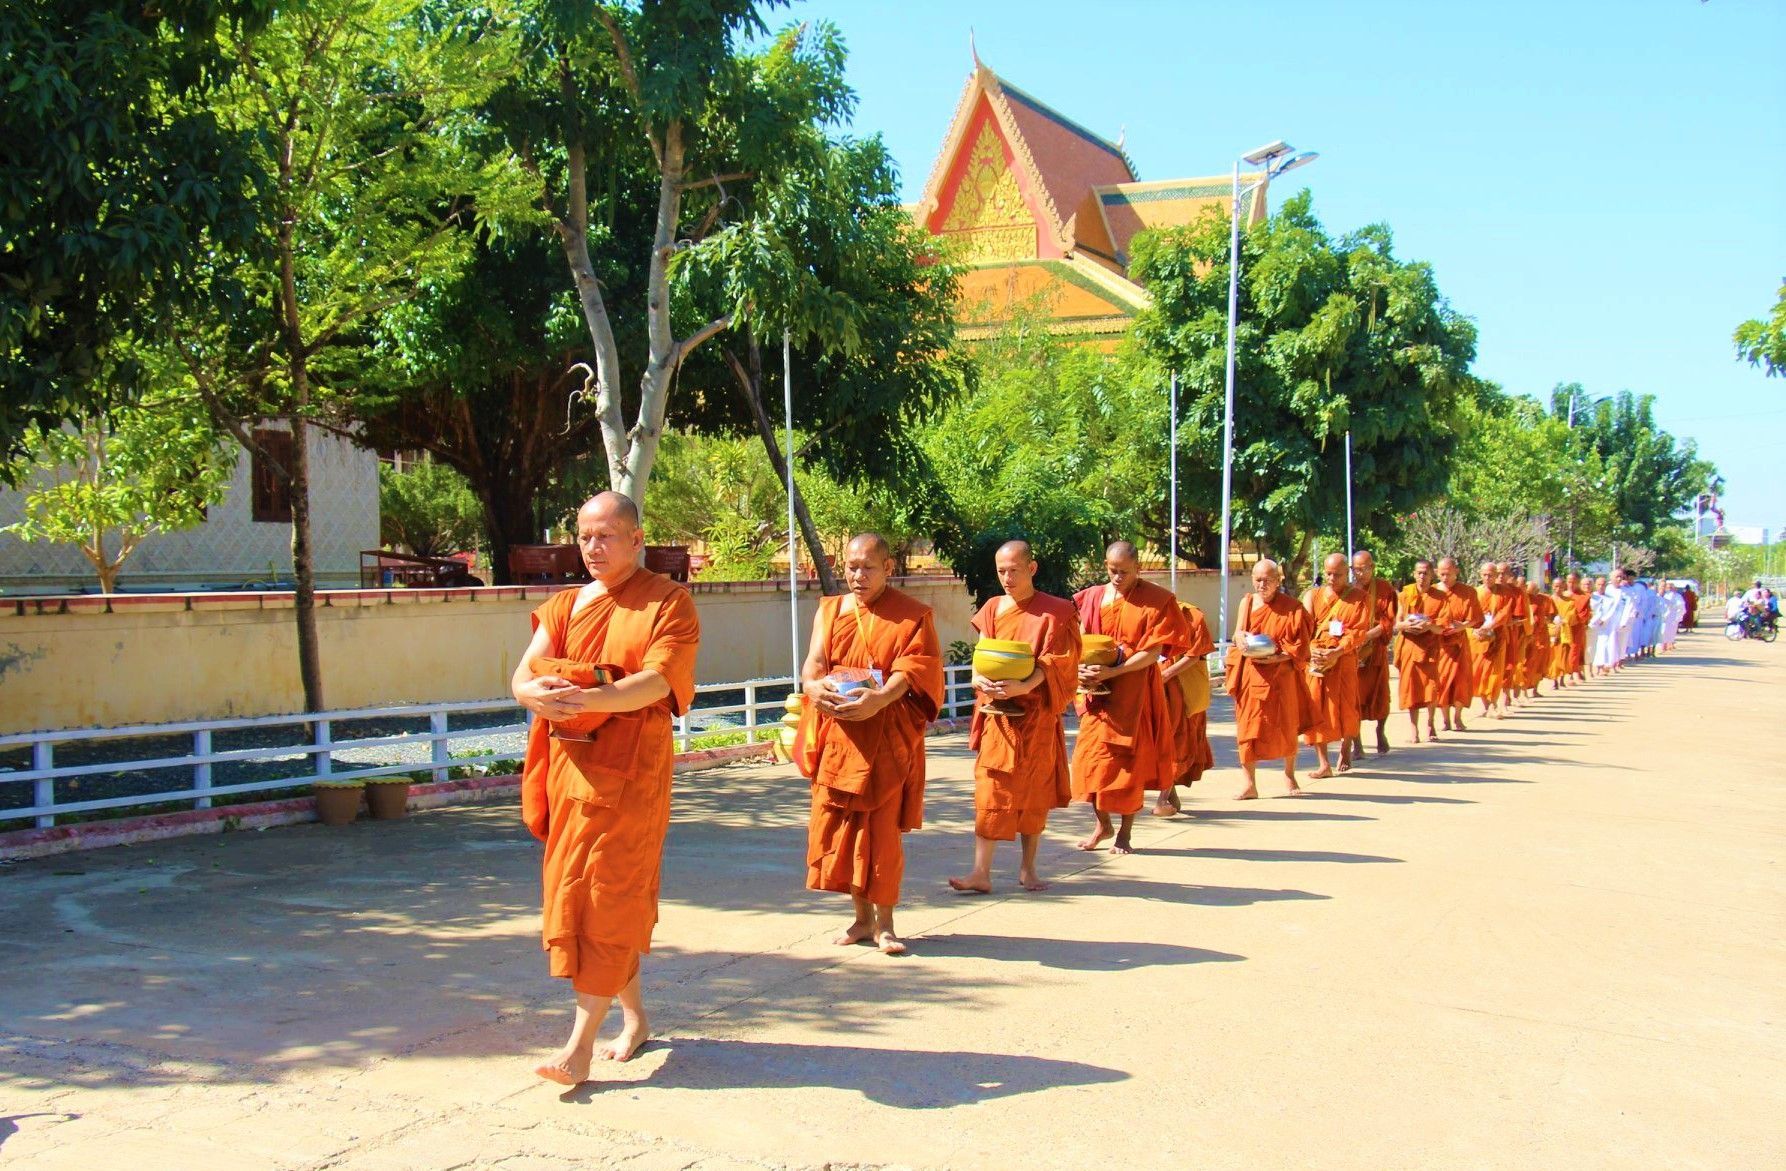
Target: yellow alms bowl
x=1097, y=650
x=1003, y=659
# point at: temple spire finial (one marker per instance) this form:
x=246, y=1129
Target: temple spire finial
x=974, y=51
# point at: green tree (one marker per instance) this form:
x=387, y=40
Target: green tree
x=429, y=509
x=116, y=185
x=1334, y=336
x=361, y=112
x=1648, y=475
x=1763, y=343
x=108, y=481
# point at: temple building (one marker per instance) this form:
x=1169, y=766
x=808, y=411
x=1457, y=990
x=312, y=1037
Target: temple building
x=1043, y=212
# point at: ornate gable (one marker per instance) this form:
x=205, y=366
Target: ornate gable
x=988, y=215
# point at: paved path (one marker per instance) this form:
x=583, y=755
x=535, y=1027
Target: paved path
x=1552, y=943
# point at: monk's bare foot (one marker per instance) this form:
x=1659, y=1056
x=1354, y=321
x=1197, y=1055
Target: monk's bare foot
x=1249, y=794
x=566, y=1068
x=1094, y=839
x=1345, y=764
x=627, y=1042
x=1121, y=845
x=1460, y=727
x=889, y=944
x=857, y=932
x=971, y=885
x=1296, y=790
x=1321, y=773
x=1417, y=734
x=1382, y=744
x=1167, y=805
x=1029, y=881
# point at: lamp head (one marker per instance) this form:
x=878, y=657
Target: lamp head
x=1267, y=153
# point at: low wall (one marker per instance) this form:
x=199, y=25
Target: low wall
x=93, y=661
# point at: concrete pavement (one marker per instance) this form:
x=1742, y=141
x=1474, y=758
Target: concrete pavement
x=1550, y=942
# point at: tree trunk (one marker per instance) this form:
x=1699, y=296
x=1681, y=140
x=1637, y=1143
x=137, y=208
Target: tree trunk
x=298, y=475
x=750, y=385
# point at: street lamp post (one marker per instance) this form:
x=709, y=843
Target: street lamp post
x=1276, y=158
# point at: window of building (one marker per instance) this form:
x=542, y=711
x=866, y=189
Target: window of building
x=272, y=492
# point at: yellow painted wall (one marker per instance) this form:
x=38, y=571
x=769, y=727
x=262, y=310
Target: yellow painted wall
x=153, y=659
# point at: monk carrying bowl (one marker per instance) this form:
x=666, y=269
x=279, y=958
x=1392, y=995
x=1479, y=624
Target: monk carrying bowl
x=1003, y=660
x=1098, y=650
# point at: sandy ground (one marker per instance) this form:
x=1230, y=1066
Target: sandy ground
x=1553, y=942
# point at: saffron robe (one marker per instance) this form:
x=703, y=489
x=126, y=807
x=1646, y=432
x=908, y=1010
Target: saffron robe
x=1519, y=648
x=868, y=786
x=1457, y=648
x=1578, y=616
x=602, y=805
x=1020, y=767
x=1373, y=657
x=1125, y=744
x=1418, y=654
x=1542, y=611
x=1335, y=694
x=1491, y=656
x=1272, y=705
x=1191, y=740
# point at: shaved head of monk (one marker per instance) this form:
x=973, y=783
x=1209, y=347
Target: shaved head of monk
x=1574, y=580
x=1491, y=573
x=1267, y=577
x=1122, y=565
x=1423, y=573
x=609, y=537
x=1334, y=566
x=1016, y=568
x=1364, y=567
x=867, y=564
x=1448, y=571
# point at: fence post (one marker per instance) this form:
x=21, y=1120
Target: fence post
x=437, y=730
x=682, y=732
x=750, y=712
x=325, y=756
x=43, y=758
x=201, y=772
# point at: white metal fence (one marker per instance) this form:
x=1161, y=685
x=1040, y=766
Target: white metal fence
x=46, y=775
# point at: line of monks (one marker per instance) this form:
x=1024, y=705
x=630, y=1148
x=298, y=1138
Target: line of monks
x=610, y=665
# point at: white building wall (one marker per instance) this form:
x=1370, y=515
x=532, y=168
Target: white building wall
x=231, y=547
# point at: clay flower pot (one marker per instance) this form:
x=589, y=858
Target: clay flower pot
x=387, y=798
x=338, y=802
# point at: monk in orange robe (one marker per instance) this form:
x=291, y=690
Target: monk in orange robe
x=1125, y=744
x=874, y=679
x=1541, y=612
x=608, y=668
x=1020, y=766
x=1272, y=705
x=1575, y=616
x=1515, y=683
x=1420, y=622
x=1463, y=614
x=1494, y=642
x=1342, y=616
x=1374, y=652
x=1187, y=698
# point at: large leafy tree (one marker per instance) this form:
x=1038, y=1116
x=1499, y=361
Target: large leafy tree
x=1763, y=343
x=1648, y=475
x=360, y=112
x=1335, y=336
x=115, y=185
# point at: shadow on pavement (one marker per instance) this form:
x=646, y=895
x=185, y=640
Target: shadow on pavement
x=1073, y=955
x=1262, y=855
x=910, y=1079
x=1087, y=884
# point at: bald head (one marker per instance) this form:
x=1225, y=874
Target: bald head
x=867, y=564
x=1016, y=568
x=1122, y=565
x=873, y=544
x=609, y=537
x=1334, y=566
x=1364, y=567
x=1267, y=577
x=1122, y=550
x=1015, y=549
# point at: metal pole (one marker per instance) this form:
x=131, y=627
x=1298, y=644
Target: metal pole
x=1172, y=543
x=787, y=405
x=1228, y=411
x=1348, y=502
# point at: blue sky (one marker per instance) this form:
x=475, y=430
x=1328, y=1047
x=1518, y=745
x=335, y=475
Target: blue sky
x=1600, y=184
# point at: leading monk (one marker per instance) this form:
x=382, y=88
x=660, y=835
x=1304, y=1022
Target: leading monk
x=874, y=677
x=1125, y=744
x=1020, y=767
x=1272, y=706
x=610, y=664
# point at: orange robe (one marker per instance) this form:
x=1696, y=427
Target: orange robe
x=1540, y=654
x=868, y=787
x=1272, y=705
x=1373, y=657
x=1519, y=649
x=1417, y=656
x=1125, y=743
x=1020, y=770
x=1576, y=608
x=1335, y=694
x=1493, y=655
x=602, y=805
x=1457, y=647
x=1191, y=740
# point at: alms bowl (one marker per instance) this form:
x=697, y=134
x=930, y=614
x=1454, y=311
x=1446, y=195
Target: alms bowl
x=1257, y=646
x=1003, y=659
x=1097, y=650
